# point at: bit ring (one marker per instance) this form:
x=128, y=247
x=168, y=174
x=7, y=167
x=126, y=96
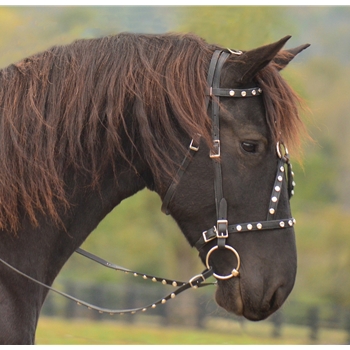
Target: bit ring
x=234, y=272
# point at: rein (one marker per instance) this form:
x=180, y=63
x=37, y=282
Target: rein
x=195, y=282
x=219, y=232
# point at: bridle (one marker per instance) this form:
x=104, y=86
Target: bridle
x=219, y=232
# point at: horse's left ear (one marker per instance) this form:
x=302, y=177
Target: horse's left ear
x=255, y=60
x=285, y=56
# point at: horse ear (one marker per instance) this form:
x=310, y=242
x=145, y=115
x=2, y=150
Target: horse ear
x=286, y=56
x=255, y=60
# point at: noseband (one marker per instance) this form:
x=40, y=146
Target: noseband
x=220, y=232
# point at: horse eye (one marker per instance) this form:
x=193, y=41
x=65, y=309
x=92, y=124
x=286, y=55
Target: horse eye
x=249, y=147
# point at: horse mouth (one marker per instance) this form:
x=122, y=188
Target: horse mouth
x=230, y=295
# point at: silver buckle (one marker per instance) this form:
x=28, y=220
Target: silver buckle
x=194, y=278
x=222, y=233
x=192, y=147
x=204, y=233
x=216, y=146
x=279, y=150
x=235, y=52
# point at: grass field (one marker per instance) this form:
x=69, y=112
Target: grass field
x=53, y=331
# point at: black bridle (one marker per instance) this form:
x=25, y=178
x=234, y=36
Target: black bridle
x=219, y=232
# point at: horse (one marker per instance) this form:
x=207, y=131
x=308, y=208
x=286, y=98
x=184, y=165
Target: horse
x=85, y=125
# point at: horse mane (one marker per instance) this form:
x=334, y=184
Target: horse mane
x=69, y=107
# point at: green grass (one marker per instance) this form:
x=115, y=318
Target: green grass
x=52, y=331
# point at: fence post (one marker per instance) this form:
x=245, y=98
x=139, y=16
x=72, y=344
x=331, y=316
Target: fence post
x=313, y=322
x=96, y=295
x=70, y=307
x=347, y=326
x=200, y=314
x=49, y=308
x=277, y=321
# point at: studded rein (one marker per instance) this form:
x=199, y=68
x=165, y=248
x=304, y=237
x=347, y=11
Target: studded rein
x=220, y=232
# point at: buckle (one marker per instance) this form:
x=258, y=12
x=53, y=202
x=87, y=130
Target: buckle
x=215, y=152
x=192, y=147
x=279, y=150
x=208, y=239
x=195, y=279
x=222, y=229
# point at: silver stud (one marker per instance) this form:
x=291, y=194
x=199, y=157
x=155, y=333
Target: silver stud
x=154, y=279
x=279, y=178
x=232, y=93
x=174, y=284
x=290, y=223
x=259, y=226
x=135, y=274
x=78, y=303
x=277, y=188
x=292, y=173
x=164, y=282
x=293, y=183
x=243, y=93
x=282, y=224
x=249, y=226
x=272, y=211
x=259, y=91
x=154, y=306
x=144, y=309
x=133, y=312
x=172, y=295
x=274, y=199
x=144, y=277
x=294, y=221
x=239, y=227
x=292, y=192
x=163, y=301
x=282, y=168
x=253, y=92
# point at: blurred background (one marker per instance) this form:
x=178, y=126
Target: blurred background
x=138, y=236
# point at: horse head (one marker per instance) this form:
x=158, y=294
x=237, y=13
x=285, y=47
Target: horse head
x=231, y=197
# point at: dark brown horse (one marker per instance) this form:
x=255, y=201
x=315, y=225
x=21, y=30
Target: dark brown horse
x=86, y=125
